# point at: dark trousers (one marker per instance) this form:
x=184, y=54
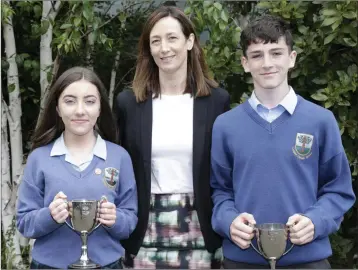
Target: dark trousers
x=115, y=265
x=322, y=264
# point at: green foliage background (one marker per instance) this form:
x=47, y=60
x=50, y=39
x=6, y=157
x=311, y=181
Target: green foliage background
x=325, y=35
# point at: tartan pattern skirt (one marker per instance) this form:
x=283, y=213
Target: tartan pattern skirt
x=173, y=238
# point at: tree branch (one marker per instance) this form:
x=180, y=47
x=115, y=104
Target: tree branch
x=53, y=10
x=56, y=9
x=56, y=66
x=120, y=81
x=111, y=19
x=109, y=7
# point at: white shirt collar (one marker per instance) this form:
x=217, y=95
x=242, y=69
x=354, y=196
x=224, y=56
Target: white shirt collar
x=289, y=102
x=59, y=148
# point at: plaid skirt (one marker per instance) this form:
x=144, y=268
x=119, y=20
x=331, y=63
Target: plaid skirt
x=173, y=238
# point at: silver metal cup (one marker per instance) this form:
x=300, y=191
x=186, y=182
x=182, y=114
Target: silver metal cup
x=271, y=241
x=84, y=221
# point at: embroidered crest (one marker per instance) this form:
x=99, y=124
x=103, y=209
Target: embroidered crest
x=110, y=177
x=303, y=146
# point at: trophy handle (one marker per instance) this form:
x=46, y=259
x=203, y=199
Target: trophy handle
x=68, y=224
x=292, y=245
x=103, y=199
x=257, y=250
x=287, y=251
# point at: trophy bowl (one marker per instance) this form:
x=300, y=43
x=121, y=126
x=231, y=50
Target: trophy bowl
x=271, y=241
x=84, y=221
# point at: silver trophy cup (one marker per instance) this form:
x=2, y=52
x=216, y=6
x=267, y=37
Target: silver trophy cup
x=271, y=241
x=84, y=221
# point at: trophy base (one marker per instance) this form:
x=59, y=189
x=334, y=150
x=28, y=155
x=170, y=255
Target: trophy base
x=84, y=265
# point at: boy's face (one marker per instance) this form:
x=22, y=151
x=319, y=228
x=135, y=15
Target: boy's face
x=269, y=63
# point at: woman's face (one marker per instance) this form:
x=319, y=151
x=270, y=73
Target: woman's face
x=79, y=107
x=169, y=46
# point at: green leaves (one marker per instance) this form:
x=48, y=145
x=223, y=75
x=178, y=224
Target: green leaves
x=84, y=24
x=329, y=12
x=77, y=21
x=6, y=12
x=319, y=96
x=350, y=42
x=11, y=87
x=65, y=26
x=329, y=38
x=350, y=14
x=224, y=16
x=220, y=50
x=45, y=24
x=37, y=11
x=218, y=5
x=329, y=21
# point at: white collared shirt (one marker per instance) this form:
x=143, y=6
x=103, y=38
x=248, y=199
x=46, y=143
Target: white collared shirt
x=59, y=148
x=288, y=103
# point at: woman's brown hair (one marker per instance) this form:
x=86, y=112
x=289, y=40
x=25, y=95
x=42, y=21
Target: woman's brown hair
x=50, y=125
x=146, y=78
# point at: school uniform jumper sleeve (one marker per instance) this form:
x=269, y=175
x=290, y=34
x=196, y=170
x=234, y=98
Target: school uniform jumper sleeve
x=33, y=220
x=335, y=193
x=224, y=211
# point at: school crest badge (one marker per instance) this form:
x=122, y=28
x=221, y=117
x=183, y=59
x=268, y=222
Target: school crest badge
x=303, y=146
x=110, y=177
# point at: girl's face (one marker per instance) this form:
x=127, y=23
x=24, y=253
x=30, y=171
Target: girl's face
x=79, y=107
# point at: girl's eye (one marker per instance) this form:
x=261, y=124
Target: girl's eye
x=69, y=101
x=90, y=102
x=155, y=41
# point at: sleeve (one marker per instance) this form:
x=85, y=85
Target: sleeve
x=224, y=211
x=34, y=219
x=126, y=201
x=335, y=191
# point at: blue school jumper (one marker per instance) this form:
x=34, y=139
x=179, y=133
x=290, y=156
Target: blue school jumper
x=296, y=164
x=56, y=244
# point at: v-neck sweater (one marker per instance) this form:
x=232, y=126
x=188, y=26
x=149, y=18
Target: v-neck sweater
x=56, y=244
x=296, y=164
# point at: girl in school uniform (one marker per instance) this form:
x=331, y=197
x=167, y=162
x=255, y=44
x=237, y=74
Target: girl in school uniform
x=74, y=156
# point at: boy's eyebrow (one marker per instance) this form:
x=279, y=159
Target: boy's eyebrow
x=274, y=49
x=277, y=49
x=254, y=52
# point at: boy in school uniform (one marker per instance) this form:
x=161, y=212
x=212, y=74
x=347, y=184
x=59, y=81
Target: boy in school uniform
x=277, y=158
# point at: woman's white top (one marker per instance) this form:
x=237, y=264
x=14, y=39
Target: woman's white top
x=172, y=144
